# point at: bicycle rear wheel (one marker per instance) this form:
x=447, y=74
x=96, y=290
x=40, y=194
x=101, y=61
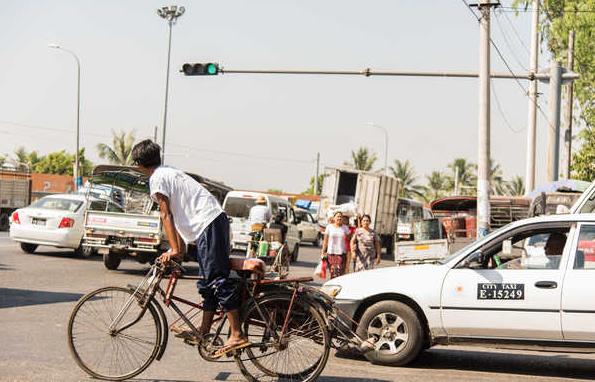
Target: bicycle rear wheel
x=107, y=353
x=300, y=355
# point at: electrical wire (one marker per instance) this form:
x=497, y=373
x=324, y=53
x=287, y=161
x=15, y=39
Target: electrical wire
x=516, y=32
x=508, y=44
x=501, y=112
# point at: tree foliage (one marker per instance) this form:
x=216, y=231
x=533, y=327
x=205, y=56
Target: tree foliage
x=362, y=159
x=583, y=162
x=405, y=172
x=436, y=185
x=62, y=163
x=310, y=189
x=120, y=152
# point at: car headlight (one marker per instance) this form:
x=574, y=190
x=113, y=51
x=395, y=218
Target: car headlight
x=331, y=290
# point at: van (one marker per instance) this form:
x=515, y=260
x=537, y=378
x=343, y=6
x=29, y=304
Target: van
x=237, y=205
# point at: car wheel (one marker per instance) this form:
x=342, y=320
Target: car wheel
x=295, y=252
x=111, y=261
x=28, y=248
x=84, y=252
x=395, y=330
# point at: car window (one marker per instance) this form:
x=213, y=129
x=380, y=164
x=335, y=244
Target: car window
x=58, y=204
x=531, y=249
x=584, y=257
x=238, y=207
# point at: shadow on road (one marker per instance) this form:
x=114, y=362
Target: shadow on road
x=6, y=268
x=330, y=378
x=538, y=364
x=12, y=298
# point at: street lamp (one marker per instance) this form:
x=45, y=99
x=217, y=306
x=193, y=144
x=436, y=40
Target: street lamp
x=385, y=145
x=78, y=112
x=170, y=14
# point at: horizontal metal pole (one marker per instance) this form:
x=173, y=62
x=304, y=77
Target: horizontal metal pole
x=369, y=72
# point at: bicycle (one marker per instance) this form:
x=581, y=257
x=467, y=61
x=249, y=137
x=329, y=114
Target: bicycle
x=289, y=337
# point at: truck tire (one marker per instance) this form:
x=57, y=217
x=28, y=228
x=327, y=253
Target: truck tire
x=28, y=247
x=111, y=260
x=4, y=222
x=295, y=253
x=396, y=331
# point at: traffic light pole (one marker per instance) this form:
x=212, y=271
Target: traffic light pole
x=170, y=24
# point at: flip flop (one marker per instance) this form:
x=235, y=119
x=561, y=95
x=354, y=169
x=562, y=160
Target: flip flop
x=229, y=348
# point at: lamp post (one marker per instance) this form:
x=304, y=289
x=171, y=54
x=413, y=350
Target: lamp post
x=78, y=112
x=170, y=14
x=385, y=145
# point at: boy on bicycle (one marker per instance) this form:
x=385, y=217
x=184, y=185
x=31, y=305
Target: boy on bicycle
x=190, y=213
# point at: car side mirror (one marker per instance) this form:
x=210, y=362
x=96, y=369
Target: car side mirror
x=476, y=260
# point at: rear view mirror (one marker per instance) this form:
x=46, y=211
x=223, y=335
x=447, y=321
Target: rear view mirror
x=476, y=260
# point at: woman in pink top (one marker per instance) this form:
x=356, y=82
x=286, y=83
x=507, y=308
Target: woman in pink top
x=334, y=245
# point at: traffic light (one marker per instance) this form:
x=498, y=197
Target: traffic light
x=201, y=69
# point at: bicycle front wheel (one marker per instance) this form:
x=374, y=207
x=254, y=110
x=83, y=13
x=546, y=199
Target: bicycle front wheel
x=109, y=348
x=298, y=353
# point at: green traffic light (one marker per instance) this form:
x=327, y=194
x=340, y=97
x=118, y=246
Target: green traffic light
x=212, y=69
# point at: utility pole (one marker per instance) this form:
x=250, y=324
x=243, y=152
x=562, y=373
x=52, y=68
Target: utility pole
x=532, y=118
x=553, y=131
x=568, y=101
x=317, y=173
x=483, y=162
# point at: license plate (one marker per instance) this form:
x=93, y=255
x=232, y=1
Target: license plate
x=37, y=221
x=490, y=291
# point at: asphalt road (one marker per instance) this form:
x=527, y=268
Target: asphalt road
x=37, y=293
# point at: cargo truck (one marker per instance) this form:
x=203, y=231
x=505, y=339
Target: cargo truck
x=15, y=192
x=368, y=192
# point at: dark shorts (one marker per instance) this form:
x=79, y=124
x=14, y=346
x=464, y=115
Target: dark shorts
x=215, y=287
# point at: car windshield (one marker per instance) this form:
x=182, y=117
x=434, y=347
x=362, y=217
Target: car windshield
x=58, y=204
x=238, y=207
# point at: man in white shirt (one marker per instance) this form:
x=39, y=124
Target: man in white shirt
x=260, y=213
x=191, y=214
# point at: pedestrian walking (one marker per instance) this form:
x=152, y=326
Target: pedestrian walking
x=334, y=245
x=365, y=246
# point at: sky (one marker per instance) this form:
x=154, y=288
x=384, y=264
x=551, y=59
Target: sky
x=263, y=131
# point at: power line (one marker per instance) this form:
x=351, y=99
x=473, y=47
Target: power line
x=510, y=9
x=508, y=44
x=501, y=112
x=516, y=32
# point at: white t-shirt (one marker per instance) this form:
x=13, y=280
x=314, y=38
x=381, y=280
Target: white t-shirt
x=259, y=214
x=336, y=240
x=192, y=206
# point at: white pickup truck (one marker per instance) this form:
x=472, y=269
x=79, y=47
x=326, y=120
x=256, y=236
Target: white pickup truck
x=131, y=227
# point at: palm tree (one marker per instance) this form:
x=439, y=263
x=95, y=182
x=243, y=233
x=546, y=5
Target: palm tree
x=515, y=186
x=436, y=186
x=497, y=184
x=120, y=152
x=362, y=159
x=463, y=176
x=24, y=160
x=405, y=172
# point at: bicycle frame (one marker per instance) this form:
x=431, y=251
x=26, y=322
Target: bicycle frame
x=145, y=294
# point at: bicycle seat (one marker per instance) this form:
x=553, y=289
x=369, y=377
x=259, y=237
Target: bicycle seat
x=248, y=266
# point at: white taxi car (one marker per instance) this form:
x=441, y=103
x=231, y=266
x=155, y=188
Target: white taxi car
x=528, y=285
x=55, y=220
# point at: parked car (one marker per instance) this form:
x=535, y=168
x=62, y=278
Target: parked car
x=55, y=220
x=308, y=227
x=499, y=291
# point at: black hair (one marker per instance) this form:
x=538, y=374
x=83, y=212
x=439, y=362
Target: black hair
x=147, y=154
x=366, y=216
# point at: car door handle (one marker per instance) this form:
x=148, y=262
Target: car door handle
x=546, y=284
